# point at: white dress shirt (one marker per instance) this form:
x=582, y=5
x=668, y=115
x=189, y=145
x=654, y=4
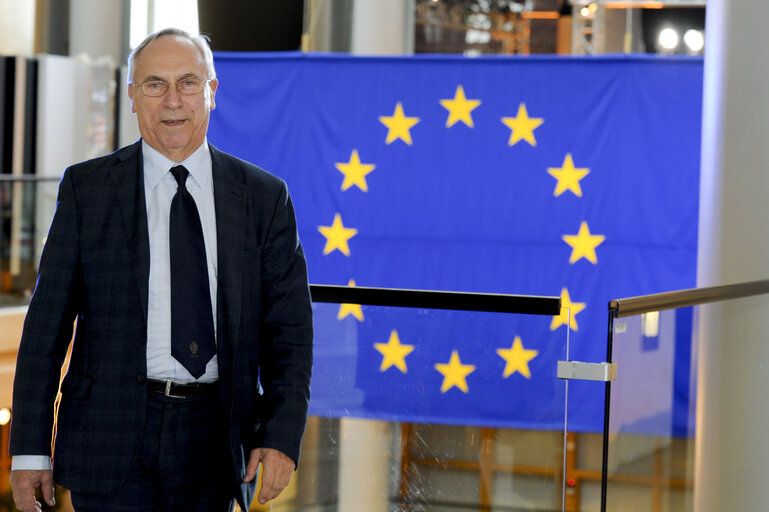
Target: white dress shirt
x=159, y=189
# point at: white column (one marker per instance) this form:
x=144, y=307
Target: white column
x=98, y=28
x=383, y=27
x=732, y=454
x=364, y=465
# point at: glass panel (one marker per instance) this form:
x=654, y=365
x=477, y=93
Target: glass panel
x=583, y=443
x=651, y=434
x=24, y=224
x=411, y=410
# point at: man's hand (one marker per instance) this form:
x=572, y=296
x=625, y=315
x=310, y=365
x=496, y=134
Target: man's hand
x=276, y=471
x=23, y=484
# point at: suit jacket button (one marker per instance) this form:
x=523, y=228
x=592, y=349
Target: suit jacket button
x=140, y=377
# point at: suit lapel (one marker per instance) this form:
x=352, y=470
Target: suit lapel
x=127, y=177
x=230, y=208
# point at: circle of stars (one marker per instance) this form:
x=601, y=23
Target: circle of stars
x=568, y=177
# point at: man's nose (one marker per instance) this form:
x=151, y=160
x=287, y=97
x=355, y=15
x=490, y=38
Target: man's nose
x=173, y=97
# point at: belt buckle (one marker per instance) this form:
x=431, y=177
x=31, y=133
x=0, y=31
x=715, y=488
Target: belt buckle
x=168, y=389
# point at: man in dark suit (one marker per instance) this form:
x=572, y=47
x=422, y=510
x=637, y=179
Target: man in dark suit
x=142, y=423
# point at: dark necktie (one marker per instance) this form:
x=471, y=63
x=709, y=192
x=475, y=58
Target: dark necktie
x=192, y=324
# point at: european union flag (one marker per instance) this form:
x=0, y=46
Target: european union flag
x=570, y=177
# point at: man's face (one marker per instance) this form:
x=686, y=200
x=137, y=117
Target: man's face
x=174, y=124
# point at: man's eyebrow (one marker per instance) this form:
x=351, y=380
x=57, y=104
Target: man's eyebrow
x=155, y=78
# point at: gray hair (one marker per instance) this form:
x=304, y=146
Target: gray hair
x=200, y=41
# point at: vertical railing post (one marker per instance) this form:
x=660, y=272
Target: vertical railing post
x=606, y=410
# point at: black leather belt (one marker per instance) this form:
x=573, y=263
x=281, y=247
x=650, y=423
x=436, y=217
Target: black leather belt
x=176, y=389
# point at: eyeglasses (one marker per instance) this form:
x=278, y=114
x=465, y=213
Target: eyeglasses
x=185, y=86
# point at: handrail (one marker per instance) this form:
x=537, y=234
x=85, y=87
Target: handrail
x=4, y=178
x=428, y=299
x=498, y=303
x=682, y=298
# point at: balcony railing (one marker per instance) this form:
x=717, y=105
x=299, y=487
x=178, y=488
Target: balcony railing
x=649, y=433
x=27, y=202
x=383, y=435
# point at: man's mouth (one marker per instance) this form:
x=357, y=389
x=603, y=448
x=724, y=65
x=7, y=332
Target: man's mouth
x=173, y=122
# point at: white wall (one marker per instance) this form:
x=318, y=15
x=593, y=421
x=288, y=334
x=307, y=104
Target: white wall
x=17, y=27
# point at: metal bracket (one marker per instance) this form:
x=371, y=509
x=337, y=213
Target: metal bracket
x=603, y=372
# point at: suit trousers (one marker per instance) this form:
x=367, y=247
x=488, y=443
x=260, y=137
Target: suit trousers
x=183, y=463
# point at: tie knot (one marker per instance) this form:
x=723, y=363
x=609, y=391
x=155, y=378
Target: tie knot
x=180, y=174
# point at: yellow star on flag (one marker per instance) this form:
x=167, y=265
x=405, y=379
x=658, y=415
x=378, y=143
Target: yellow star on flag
x=350, y=309
x=569, y=311
x=394, y=353
x=522, y=126
x=337, y=236
x=568, y=177
x=454, y=373
x=583, y=244
x=354, y=172
x=517, y=358
x=398, y=125
x=460, y=108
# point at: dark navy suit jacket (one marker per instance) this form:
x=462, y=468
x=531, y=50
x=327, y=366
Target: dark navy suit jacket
x=95, y=269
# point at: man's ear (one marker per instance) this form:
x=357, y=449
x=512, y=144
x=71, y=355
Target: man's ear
x=213, y=84
x=131, y=95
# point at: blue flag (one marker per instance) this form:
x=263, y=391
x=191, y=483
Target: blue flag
x=569, y=177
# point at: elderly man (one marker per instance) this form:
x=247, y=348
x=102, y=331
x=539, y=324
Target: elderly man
x=193, y=349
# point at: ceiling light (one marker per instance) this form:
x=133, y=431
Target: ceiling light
x=694, y=40
x=668, y=39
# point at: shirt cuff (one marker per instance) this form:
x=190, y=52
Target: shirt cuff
x=38, y=462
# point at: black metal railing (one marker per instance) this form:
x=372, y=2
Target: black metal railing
x=429, y=299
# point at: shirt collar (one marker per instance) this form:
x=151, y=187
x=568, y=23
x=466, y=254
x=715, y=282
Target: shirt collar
x=157, y=165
